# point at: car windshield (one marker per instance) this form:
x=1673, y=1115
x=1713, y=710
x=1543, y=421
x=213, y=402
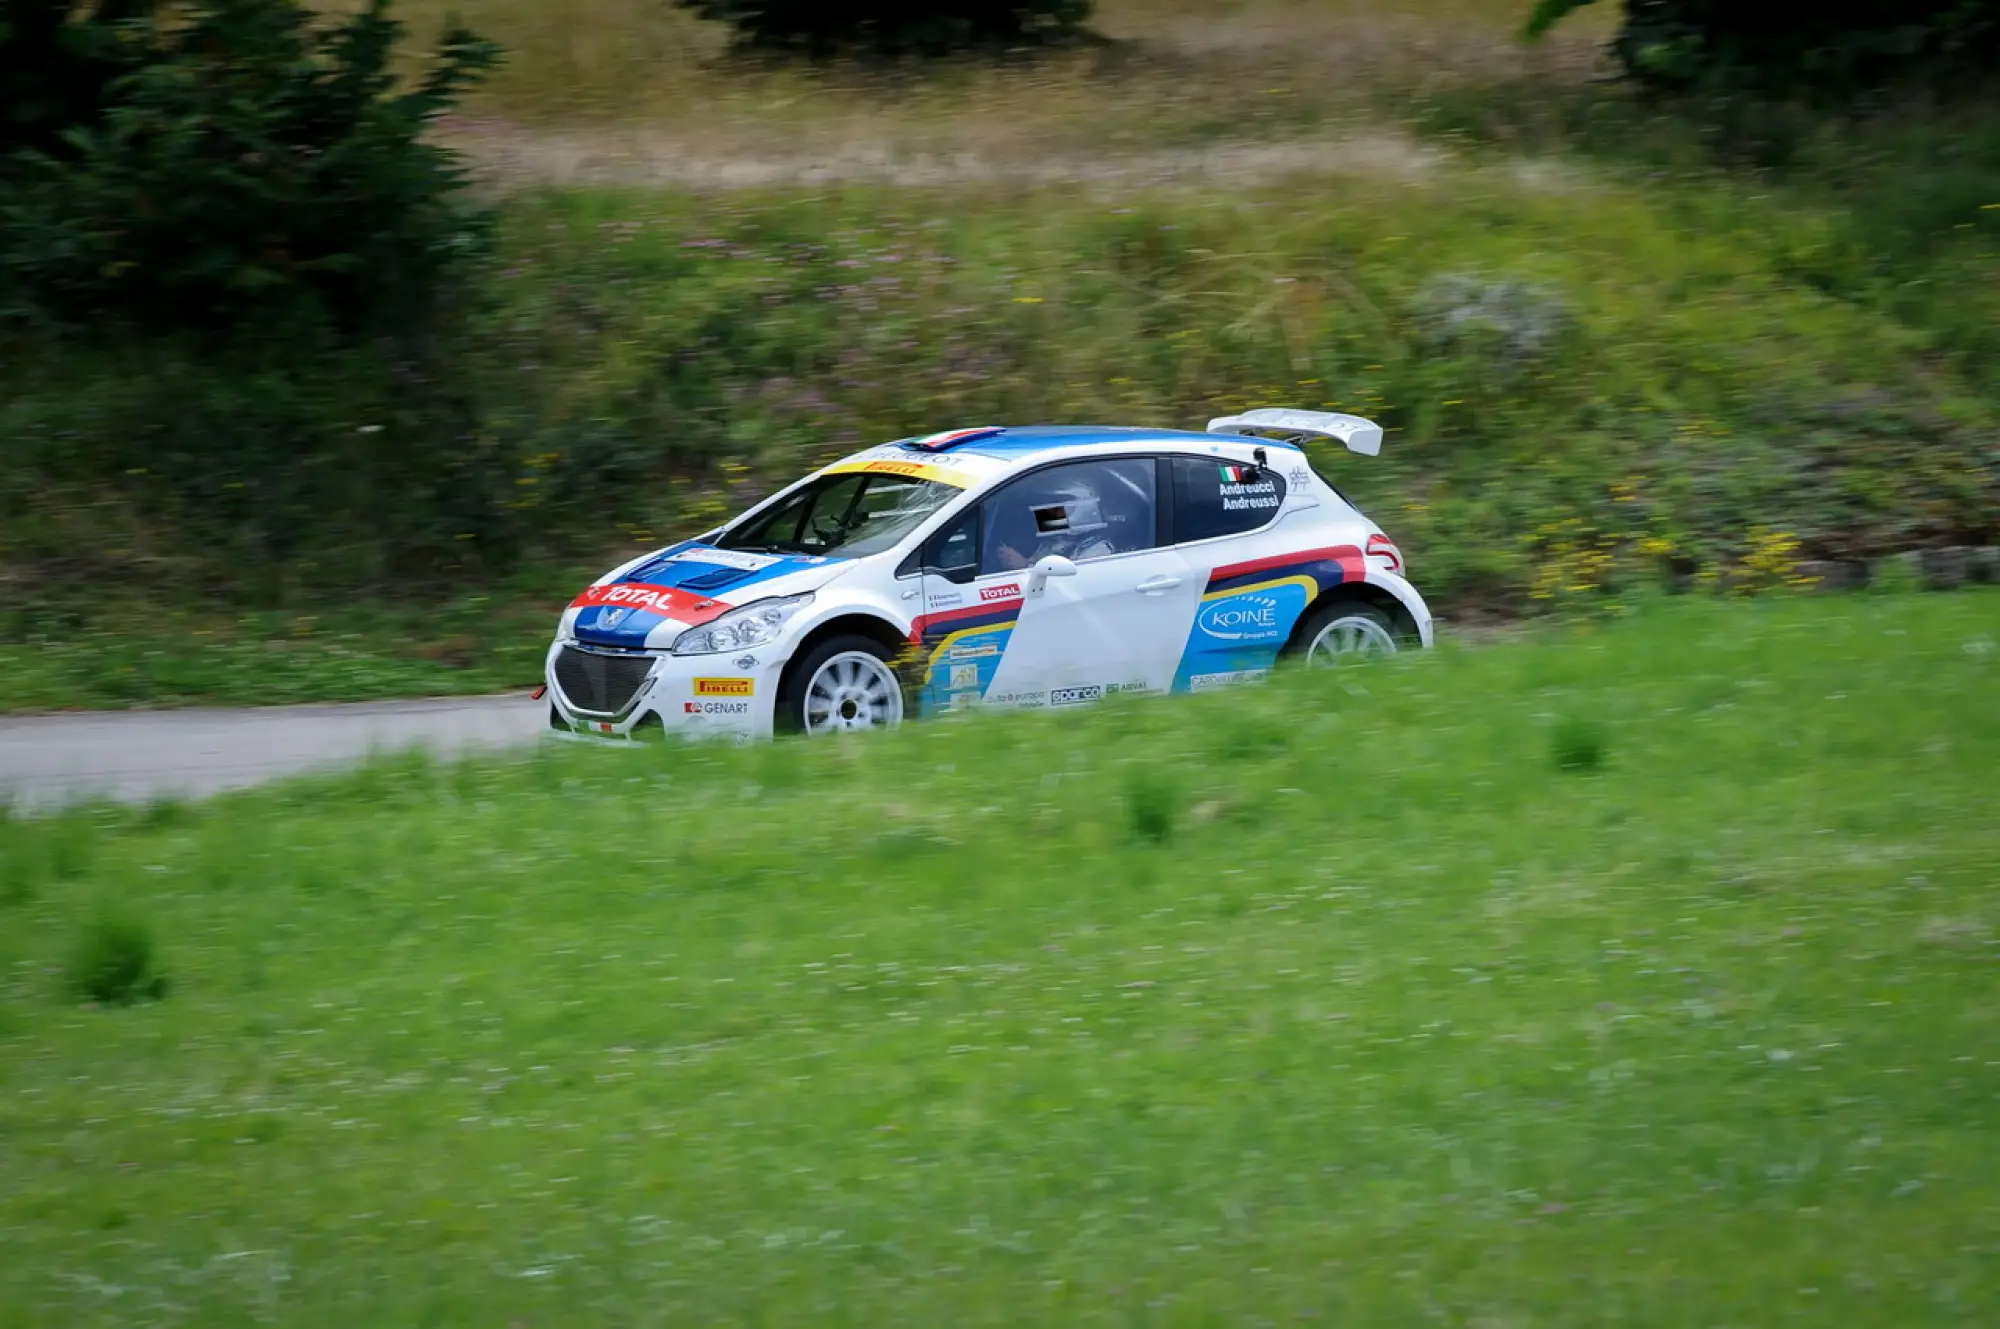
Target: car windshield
x=852, y=514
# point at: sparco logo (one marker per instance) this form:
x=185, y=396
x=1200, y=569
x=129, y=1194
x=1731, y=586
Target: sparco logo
x=1074, y=696
x=1007, y=592
x=1242, y=618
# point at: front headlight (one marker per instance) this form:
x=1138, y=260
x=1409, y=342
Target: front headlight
x=740, y=629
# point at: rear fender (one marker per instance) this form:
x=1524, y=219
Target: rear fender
x=1387, y=592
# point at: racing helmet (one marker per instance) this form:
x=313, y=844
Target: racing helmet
x=1068, y=507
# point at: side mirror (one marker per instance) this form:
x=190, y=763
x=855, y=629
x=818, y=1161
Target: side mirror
x=1055, y=565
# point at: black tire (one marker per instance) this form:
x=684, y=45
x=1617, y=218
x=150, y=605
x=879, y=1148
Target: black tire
x=790, y=716
x=556, y=722
x=1324, y=616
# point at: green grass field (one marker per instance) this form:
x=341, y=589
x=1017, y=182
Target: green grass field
x=1639, y=972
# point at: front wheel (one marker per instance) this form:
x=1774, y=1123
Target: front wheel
x=1344, y=632
x=841, y=684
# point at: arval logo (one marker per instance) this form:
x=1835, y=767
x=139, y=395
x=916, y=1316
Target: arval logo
x=611, y=618
x=1242, y=618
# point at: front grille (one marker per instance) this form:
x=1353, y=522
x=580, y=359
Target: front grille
x=600, y=684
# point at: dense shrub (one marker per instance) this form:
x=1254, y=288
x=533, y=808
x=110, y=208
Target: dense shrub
x=234, y=284
x=895, y=27
x=231, y=164
x=114, y=964
x=1836, y=48
x=57, y=63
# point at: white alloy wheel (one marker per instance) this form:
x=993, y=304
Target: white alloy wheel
x=1353, y=634
x=852, y=690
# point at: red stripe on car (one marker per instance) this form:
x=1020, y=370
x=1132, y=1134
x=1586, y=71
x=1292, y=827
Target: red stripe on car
x=1353, y=566
x=1000, y=612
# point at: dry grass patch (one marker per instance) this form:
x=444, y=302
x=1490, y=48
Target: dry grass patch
x=632, y=91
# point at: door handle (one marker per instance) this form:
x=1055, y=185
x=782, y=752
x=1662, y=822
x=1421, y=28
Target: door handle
x=1154, y=585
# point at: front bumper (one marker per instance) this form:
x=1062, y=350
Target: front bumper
x=690, y=696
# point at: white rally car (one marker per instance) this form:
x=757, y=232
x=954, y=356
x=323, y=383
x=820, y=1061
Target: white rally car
x=1023, y=567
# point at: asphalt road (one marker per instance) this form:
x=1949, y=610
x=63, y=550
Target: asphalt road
x=137, y=756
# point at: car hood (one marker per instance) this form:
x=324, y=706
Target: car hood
x=649, y=603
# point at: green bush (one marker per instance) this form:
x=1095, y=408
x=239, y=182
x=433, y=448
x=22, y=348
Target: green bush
x=1578, y=744
x=895, y=27
x=1836, y=48
x=226, y=166
x=113, y=963
x=234, y=279
x=1151, y=804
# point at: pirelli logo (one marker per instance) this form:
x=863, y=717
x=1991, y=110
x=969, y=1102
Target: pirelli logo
x=725, y=687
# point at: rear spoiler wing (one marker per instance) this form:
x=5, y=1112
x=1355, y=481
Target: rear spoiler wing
x=1355, y=433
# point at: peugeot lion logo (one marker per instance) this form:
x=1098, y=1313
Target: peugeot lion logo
x=611, y=618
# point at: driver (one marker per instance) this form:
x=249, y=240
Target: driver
x=1065, y=517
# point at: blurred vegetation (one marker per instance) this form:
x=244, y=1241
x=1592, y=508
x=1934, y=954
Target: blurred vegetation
x=894, y=27
x=1361, y=995
x=1579, y=394
x=1620, y=340
x=229, y=170
x=1824, y=48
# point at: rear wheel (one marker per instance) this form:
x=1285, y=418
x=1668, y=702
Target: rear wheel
x=1346, y=631
x=843, y=683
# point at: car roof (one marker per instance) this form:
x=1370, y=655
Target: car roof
x=976, y=458
x=1017, y=443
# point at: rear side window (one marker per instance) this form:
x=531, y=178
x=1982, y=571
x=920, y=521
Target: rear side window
x=1214, y=497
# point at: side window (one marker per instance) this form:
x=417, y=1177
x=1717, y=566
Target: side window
x=953, y=552
x=1215, y=497
x=1081, y=510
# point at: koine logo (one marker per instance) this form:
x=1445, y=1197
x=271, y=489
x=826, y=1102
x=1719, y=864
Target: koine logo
x=1242, y=618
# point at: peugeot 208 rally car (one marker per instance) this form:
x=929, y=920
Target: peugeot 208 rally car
x=1021, y=567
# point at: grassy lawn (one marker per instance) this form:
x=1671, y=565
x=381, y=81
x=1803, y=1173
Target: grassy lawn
x=1638, y=973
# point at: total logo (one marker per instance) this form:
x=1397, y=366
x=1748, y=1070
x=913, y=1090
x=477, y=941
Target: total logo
x=1243, y=618
x=1010, y=591
x=662, y=600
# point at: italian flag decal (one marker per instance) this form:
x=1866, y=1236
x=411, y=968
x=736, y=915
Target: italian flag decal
x=1236, y=475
